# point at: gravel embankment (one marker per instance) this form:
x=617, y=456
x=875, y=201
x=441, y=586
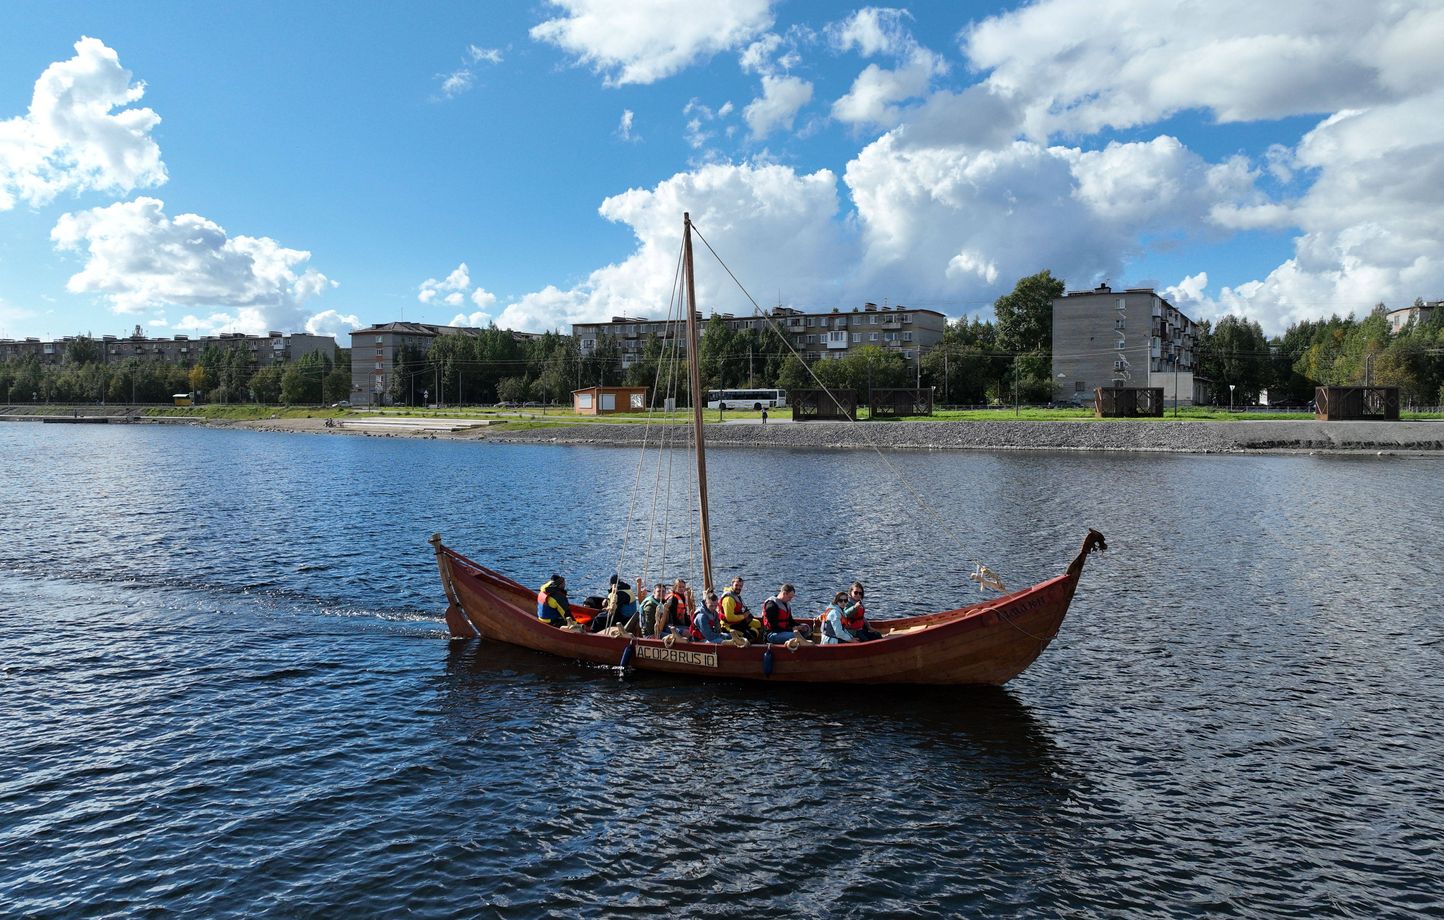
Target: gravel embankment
x=1189, y=437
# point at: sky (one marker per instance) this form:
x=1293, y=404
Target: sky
x=201, y=168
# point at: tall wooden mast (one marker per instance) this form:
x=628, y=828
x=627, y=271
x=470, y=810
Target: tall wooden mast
x=695, y=378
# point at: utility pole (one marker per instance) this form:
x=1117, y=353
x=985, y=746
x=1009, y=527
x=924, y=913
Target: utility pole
x=750, y=382
x=1016, y=410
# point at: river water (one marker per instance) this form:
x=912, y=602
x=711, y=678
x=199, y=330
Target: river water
x=225, y=689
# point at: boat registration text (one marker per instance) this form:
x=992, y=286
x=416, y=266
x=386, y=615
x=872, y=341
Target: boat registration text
x=678, y=656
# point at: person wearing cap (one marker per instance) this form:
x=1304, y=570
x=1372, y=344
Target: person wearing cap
x=552, y=606
x=620, y=606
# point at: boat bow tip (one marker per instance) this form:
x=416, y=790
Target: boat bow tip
x=1094, y=541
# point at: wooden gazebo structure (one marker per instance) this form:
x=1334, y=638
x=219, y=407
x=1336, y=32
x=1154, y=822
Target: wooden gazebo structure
x=822, y=405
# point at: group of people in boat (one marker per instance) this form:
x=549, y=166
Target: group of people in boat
x=673, y=611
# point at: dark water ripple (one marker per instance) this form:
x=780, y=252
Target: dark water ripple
x=225, y=691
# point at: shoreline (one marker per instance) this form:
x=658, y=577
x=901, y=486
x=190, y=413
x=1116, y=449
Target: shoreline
x=1189, y=437
x=1268, y=436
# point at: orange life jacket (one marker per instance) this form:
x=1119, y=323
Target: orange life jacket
x=852, y=618
x=680, y=617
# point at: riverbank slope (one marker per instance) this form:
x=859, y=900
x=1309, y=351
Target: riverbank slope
x=1132, y=435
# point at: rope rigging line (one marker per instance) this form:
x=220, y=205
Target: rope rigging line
x=646, y=434
x=897, y=476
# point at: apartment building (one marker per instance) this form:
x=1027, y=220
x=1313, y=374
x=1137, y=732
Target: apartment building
x=815, y=335
x=1418, y=313
x=1130, y=338
x=375, y=348
x=179, y=350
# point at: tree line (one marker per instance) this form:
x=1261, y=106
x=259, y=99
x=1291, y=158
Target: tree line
x=220, y=374
x=977, y=362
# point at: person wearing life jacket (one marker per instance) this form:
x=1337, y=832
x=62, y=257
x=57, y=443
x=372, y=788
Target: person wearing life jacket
x=552, y=605
x=778, y=623
x=736, y=616
x=707, y=624
x=673, y=616
x=833, y=631
x=620, y=605
x=854, y=616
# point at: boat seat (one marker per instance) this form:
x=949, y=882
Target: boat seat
x=904, y=630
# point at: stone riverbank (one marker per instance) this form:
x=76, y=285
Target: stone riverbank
x=1166, y=436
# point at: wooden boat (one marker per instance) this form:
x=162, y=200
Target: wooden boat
x=985, y=643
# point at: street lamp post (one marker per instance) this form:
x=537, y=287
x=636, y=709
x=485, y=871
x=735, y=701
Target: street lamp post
x=1230, y=396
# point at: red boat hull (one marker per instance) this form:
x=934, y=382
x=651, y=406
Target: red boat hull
x=988, y=643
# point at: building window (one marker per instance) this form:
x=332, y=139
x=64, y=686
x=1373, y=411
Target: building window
x=1078, y=386
x=1119, y=305
x=907, y=317
x=908, y=336
x=872, y=319
x=872, y=336
x=378, y=340
x=1118, y=365
x=1122, y=343
x=907, y=354
x=856, y=337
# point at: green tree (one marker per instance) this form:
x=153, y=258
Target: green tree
x=514, y=389
x=1025, y=315
x=336, y=385
x=266, y=384
x=301, y=382
x=1235, y=352
x=81, y=350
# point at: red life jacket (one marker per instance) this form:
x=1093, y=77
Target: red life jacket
x=852, y=618
x=679, y=617
x=777, y=615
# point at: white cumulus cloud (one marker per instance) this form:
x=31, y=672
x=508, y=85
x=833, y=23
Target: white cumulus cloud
x=781, y=99
x=331, y=322
x=772, y=225
x=137, y=257
x=459, y=280
x=1081, y=65
x=873, y=30
x=80, y=133
x=643, y=41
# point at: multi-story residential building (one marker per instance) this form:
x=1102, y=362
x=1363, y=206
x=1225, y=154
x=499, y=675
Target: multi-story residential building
x=1131, y=338
x=1418, y=313
x=375, y=348
x=814, y=335
x=180, y=350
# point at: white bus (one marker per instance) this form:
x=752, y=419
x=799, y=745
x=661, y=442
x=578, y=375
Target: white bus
x=746, y=399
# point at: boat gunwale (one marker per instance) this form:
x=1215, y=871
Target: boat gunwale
x=937, y=626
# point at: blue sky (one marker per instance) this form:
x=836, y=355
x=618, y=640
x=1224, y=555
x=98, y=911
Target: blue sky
x=342, y=163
